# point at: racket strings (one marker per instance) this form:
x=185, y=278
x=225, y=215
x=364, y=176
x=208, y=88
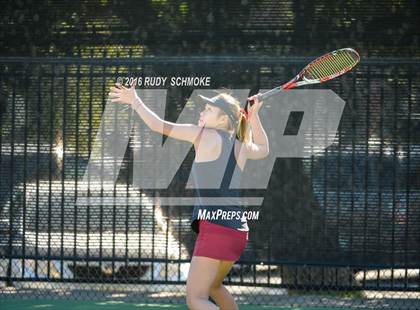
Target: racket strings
x=332, y=64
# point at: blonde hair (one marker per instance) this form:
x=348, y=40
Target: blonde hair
x=241, y=127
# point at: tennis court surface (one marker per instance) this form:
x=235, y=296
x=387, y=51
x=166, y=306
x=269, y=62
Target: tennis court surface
x=7, y=304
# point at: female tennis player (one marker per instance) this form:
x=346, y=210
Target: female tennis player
x=224, y=138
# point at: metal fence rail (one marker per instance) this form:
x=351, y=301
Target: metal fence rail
x=348, y=219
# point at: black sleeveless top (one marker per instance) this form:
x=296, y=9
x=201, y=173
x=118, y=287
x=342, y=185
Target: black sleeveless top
x=203, y=175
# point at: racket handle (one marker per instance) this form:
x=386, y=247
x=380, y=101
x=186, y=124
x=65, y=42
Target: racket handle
x=267, y=94
x=270, y=93
x=291, y=84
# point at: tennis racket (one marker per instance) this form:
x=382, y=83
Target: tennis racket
x=322, y=69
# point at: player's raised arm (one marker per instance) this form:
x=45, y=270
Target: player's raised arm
x=258, y=148
x=124, y=95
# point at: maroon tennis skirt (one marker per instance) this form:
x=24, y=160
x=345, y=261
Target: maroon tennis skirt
x=219, y=242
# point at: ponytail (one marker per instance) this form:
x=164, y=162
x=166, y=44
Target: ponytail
x=243, y=130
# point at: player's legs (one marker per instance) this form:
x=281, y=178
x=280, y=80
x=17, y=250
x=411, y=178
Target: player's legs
x=218, y=291
x=210, y=265
x=202, y=274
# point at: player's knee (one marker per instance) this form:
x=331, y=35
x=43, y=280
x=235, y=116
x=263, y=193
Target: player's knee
x=193, y=302
x=193, y=299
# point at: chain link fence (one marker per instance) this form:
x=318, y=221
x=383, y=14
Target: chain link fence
x=341, y=228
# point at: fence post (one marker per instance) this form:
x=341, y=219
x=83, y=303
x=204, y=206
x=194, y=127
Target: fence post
x=11, y=205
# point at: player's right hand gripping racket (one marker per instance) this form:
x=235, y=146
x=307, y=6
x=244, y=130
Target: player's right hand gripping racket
x=324, y=68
